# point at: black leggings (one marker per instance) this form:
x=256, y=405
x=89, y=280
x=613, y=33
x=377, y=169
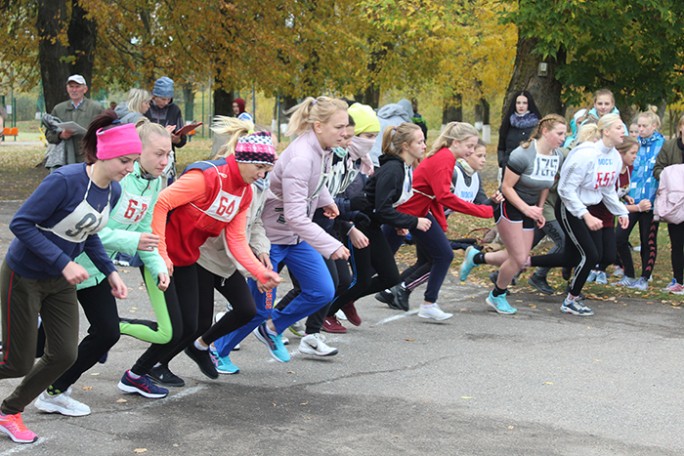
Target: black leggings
x=676, y=233
x=236, y=291
x=648, y=234
x=376, y=258
x=583, y=249
x=99, y=307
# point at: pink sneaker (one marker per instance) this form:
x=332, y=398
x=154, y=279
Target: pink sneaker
x=677, y=289
x=14, y=427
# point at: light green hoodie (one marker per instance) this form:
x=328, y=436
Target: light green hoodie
x=131, y=216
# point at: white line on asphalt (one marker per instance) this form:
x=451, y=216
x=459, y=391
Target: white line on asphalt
x=394, y=318
x=22, y=448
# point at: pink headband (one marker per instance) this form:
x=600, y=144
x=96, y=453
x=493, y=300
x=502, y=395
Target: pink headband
x=117, y=142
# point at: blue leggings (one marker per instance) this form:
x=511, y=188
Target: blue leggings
x=436, y=247
x=308, y=266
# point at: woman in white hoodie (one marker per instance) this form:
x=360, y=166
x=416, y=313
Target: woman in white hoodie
x=587, y=178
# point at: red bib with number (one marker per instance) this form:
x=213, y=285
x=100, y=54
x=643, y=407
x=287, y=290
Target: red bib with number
x=190, y=225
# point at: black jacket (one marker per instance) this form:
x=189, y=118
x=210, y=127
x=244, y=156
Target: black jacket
x=383, y=189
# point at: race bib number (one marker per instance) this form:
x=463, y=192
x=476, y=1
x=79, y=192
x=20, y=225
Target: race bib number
x=545, y=167
x=224, y=207
x=131, y=208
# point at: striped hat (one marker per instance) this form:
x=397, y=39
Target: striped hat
x=256, y=148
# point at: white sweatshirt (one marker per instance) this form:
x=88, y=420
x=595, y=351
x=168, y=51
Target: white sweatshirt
x=588, y=177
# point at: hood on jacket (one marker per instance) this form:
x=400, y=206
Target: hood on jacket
x=121, y=110
x=408, y=107
x=384, y=158
x=394, y=110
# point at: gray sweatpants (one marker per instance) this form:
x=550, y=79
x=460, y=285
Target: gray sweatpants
x=22, y=300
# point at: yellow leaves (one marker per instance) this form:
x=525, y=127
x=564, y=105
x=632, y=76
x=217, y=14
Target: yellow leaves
x=140, y=450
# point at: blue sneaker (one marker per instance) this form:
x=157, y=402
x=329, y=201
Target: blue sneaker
x=223, y=364
x=576, y=308
x=142, y=385
x=500, y=304
x=601, y=278
x=274, y=343
x=640, y=284
x=625, y=282
x=468, y=263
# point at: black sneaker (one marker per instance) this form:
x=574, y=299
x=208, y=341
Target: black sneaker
x=203, y=360
x=163, y=376
x=540, y=284
x=384, y=297
x=400, y=298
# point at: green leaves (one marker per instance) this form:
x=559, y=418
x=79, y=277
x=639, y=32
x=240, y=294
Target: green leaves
x=634, y=47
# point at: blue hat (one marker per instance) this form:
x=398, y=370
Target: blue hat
x=163, y=87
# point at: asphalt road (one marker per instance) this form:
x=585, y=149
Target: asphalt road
x=537, y=383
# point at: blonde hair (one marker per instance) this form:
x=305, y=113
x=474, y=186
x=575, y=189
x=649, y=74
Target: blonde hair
x=135, y=99
x=608, y=120
x=312, y=110
x=454, y=131
x=652, y=117
x=145, y=129
x=233, y=128
x=628, y=142
x=588, y=132
x=394, y=137
x=547, y=122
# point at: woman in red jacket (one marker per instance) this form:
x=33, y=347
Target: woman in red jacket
x=209, y=198
x=431, y=194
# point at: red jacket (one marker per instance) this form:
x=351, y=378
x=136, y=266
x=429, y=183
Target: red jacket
x=204, y=202
x=432, y=191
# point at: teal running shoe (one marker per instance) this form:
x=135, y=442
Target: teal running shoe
x=274, y=343
x=468, y=262
x=500, y=304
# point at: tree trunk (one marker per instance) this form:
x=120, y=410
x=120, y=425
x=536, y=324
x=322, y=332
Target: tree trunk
x=287, y=102
x=482, y=112
x=55, y=68
x=82, y=35
x=223, y=102
x=453, y=110
x=370, y=96
x=545, y=90
x=189, y=98
x=54, y=71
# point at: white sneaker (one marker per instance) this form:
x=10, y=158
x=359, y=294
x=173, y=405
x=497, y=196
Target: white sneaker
x=314, y=344
x=61, y=403
x=340, y=315
x=433, y=312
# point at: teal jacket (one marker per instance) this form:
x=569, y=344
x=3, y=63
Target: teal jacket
x=131, y=216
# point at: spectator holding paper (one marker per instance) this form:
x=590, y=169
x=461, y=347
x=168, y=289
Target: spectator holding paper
x=77, y=109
